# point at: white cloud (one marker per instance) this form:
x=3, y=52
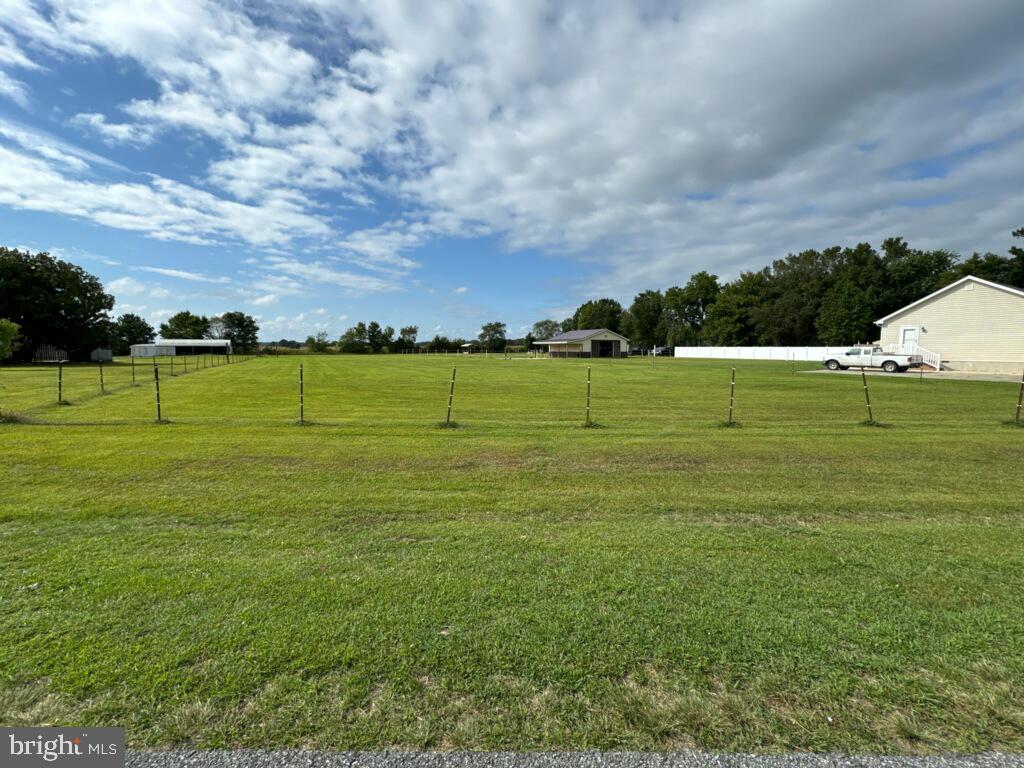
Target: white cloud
x=159, y=293
x=127, y=286
x=14, y=90
x=460, y=290
x=114, y=133
x=318, y=272
x=182, y=274
x=647, y=140
x=266, y=300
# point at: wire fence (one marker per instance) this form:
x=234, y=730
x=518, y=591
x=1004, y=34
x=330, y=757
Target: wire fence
x=522, y=392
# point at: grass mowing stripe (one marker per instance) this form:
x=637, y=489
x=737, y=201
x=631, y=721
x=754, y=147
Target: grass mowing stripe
x=231, y=579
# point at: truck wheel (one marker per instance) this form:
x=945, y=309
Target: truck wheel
x=890, y=366
x=832, y=365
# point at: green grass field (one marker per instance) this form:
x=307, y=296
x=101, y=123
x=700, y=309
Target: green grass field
x=370, y=580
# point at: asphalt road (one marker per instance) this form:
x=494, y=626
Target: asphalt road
x=298, y=759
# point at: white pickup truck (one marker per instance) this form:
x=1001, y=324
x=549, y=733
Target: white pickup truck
x=871, y=357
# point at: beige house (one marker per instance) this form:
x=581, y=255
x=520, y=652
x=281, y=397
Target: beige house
x=970, y=325
x=593, y=342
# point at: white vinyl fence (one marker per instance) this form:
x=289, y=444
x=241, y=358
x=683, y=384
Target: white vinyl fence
x=799, y=354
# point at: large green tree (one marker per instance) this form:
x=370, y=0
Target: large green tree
x=53, y=302
x=130, y=329
x=645, y=327
x=598, y=313
x=686, y=307
x=911, y=273
x=355, y=340
x=730, y=320
x=241, y=329
x=795, y=289
x=545, y=329
x=492, y=336
x=185, y=325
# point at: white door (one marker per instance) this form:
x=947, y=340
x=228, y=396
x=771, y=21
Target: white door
x=909, y=336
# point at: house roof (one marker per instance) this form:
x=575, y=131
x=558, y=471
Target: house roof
x=951, y=286
x=581, y=335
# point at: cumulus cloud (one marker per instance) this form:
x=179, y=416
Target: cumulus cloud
x=114, y=133
x=646, y=140
x=127, y=286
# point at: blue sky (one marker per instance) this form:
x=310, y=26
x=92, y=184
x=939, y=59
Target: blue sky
x=446, y=165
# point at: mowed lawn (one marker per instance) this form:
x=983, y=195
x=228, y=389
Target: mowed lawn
x=370, y=580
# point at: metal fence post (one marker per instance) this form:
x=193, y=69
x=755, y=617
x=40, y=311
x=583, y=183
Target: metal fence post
x=156, y=382
x=732, y=395
x=867, y=396
x=588, y=397
x=1020, y=398
x=451, y=396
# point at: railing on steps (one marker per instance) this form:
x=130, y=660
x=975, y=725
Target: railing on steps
x=934, y=359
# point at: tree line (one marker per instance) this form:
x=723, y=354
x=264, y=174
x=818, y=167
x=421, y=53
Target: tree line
x=371, y=338
x=46, y=301
x=830, y=296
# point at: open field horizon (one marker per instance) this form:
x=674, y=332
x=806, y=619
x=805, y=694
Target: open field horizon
x=802, y=582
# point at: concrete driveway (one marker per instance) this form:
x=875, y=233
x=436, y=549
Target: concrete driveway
x=914, y=374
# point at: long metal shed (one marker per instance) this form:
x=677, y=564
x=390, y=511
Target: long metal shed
x=175, y=347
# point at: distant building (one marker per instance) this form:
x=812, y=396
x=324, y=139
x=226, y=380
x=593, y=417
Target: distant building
x=101, y=355
x=592, y=342
x=970, y=325
x=175, y=347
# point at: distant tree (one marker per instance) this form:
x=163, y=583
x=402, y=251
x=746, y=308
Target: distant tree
x=795, y=288
x=855, y=300
x=910, y=273
x=216, y=329
x=645, y=328
x=729, y=321
x=569, y=324
x=240, y=329
x=545, y=329
x=9, y=333
x=409, y=333
x=355, y=340
x=492, y=336
x=318, y=344
x=130, y=329
x=185, y=325
x=375, y=336
x=444, y=344
x=528, y=341
x=846, y=314
x=599, y=313
x=52, y=302
x=991, y=266
x=686, y=307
